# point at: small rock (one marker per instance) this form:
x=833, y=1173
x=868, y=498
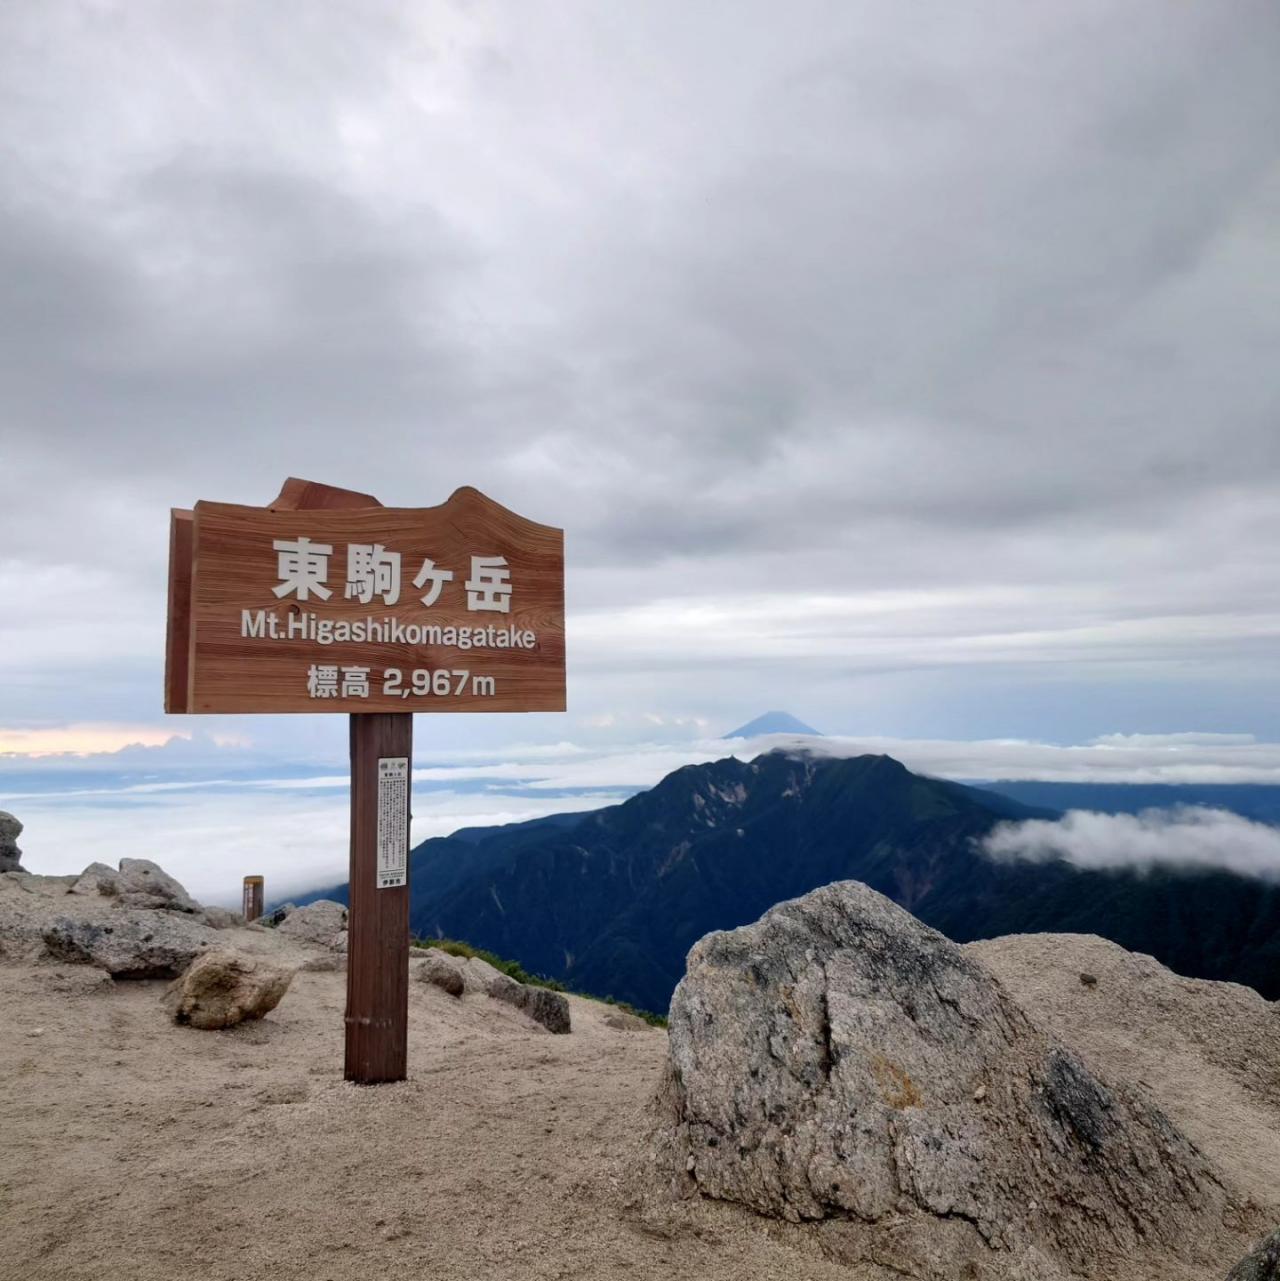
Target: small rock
x=324, y=963
x=504, y=987
x=479, y=976
x=219, y=918
x=622, y=1021
x=97, y=880
x=444, y=971
x=1089, y=980
x=10, y=854
x=223, y=988
x=551, y=1009
x=542, y=1005
x=143, y=883
x=979, y=1094
x=320, y=922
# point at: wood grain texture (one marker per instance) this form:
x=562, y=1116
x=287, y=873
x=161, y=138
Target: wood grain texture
x=177, y=644
x=235, y=569
x=296, y=495
x=377, y=1016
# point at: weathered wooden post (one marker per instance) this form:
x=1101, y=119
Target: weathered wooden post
x=257, y=623
x=251, y=907
x=378, y=925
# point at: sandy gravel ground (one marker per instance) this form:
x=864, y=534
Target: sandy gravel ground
x=133, y=1149
x=136, y=1150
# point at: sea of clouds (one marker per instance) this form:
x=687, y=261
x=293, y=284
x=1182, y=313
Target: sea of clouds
x=211, y=813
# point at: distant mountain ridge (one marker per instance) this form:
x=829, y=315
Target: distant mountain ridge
x=609, y=902
x=773, y=723
x=1259, y=802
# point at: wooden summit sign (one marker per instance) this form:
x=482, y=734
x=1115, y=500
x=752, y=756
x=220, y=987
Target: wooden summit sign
x=326, y=601
x=290, y=608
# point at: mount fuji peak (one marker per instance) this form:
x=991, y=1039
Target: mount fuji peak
x=773, y=723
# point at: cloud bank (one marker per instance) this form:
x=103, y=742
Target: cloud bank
x=1183, y=837
x=210, y=814
x=210, y=839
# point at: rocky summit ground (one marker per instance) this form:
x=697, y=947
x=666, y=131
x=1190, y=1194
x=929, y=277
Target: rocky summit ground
x=133, y=1147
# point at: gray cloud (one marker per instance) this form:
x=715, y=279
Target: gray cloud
x=1189, y=836
x=776, y=314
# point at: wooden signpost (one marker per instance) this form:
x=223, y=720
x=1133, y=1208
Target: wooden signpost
x=326, y=601
x=251, y=898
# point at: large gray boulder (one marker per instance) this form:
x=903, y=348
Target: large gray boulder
x=840, y=1061
x=1262, y=1265
x=320, y=922
x=142, y=883
x=10, y=854
x=223, y=987
x=130, y=944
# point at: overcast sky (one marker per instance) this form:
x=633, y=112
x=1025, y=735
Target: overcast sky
x=912, y=367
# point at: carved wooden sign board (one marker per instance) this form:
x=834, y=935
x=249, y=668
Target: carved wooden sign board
x=326, y=601
x=363, y=608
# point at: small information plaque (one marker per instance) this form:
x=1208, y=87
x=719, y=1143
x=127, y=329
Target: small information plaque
x=393, y=821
